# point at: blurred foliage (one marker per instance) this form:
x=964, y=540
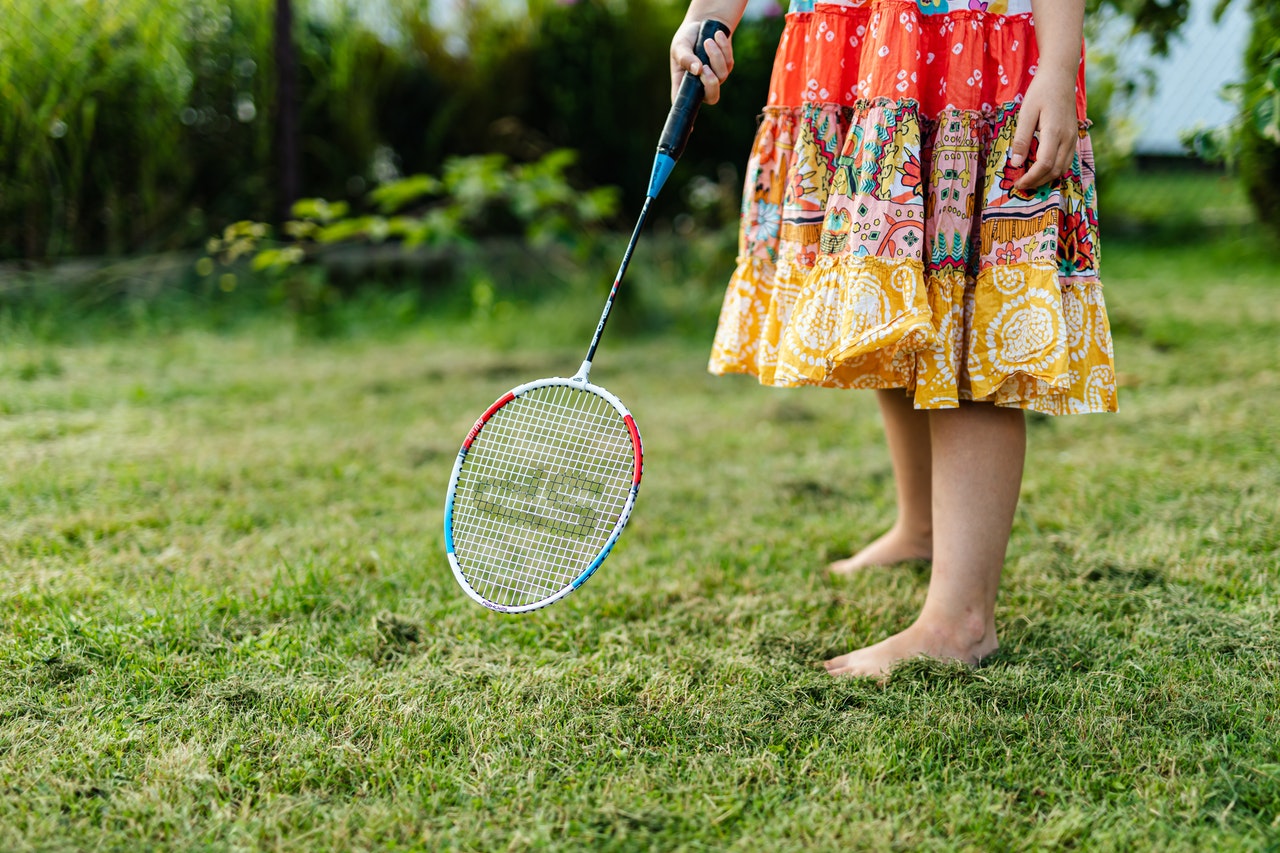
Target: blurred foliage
x=1251, y=144
x=138, y=126
x=72, y=160
x=478, y=196
x=508, y=293
x=130, y=126
x=1155, y=23
x=1111, y=135
x=610, y=102
x=1260, y=124
x=1160, y=20
x=483, y=196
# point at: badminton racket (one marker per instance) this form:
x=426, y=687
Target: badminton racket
x=547, y=477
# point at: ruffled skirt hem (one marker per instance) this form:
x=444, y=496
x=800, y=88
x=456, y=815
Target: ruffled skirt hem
x=1017, y=335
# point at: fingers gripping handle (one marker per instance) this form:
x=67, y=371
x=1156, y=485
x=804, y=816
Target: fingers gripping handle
x=675, y=133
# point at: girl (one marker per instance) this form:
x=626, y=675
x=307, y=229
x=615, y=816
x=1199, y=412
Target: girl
x=920, y=219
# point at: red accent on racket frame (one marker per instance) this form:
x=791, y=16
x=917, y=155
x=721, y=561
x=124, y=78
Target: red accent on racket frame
x=635, y=445
x=475, y=430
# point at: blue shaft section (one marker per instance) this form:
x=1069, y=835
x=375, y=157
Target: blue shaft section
x=662, y=166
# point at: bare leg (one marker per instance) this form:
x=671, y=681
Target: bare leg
x=911, y=537
x=978, y=452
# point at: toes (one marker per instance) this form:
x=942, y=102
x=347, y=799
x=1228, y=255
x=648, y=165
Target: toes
x=850, y=670
x=862, y=663
x=864, y=560
x=843, y=567
x=843, y=665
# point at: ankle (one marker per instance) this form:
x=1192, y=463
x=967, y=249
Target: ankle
x=915, y=533
x=966, y=630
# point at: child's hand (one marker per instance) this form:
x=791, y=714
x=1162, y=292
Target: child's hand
x=1049, y=108
x=719, y=56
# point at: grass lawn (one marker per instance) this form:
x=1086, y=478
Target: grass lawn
x=227, y=622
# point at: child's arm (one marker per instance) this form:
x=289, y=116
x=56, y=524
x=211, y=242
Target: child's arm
x=719, y=50
x=1050, y=103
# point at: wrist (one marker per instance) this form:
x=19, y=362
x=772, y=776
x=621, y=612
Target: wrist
x=727, y=12
x=1056, y=76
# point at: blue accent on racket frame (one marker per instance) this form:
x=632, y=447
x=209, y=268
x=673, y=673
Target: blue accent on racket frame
x=448, y=515
x=591, y=570
x=448, y=526
x=608, y=546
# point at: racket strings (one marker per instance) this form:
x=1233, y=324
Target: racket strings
x=540, y=493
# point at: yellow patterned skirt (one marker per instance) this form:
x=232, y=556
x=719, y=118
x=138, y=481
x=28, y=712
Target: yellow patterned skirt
x=883, y=244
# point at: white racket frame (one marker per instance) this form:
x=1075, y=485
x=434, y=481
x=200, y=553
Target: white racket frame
x=578, y=383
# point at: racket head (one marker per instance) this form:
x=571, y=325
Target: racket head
x=542, y=487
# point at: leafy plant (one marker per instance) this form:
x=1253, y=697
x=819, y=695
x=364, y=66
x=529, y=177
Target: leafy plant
x=1258, y=112
x=1260, y=146
x=67, y=69
x=473, y=197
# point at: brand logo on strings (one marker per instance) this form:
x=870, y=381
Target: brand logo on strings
x=536, y=497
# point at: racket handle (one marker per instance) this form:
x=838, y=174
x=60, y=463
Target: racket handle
x=675, y=133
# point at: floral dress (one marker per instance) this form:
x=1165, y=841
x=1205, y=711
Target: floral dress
x=883, y=244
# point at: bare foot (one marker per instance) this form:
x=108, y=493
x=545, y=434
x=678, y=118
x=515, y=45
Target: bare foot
x=940, y=642
x=890, y=549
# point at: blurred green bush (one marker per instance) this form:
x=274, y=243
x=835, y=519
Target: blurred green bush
x=482, y=196
x=90, y=99
x=1260, y=124
x=1251, y=143
x=132, y=126
x=136, y=125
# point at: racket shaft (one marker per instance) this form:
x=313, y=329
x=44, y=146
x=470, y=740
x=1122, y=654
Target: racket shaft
x=675, y=135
